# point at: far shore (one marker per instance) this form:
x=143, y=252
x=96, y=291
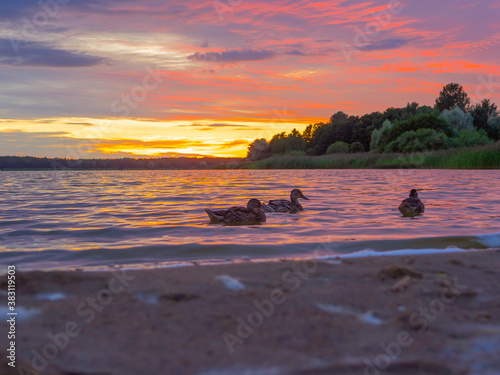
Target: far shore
x=412, y=314
x=481, y=157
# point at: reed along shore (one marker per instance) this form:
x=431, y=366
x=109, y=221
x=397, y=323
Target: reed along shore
x=483, y=157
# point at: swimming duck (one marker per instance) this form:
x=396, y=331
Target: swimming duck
x=293, y=206
x=252, y=214
x=412, y=206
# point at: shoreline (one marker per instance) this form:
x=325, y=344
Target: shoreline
x=411, y=314
x=397, y=166
x=321, y=254
x=474, y=158
x=486, y=157
x=212, y=262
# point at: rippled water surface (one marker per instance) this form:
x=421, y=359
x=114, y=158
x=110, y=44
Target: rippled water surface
x=54, y=218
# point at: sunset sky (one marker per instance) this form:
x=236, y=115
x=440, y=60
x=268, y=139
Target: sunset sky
x=106, y=78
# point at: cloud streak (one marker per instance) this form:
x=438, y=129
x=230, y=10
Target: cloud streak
x=385, y=44
x=37, y=54
x=233, y=55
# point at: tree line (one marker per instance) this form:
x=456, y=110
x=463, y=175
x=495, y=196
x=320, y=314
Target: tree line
x=451, y=122
x=31, y=162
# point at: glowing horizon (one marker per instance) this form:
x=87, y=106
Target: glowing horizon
x=101, y=79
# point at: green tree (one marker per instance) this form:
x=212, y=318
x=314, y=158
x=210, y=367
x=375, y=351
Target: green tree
x=467, y=138
x=417, y=141
x=381, y=137
x=295, y=142
x=338, y=147
x=422, y=121
x=481, y=114
x=458, y=119
x=284, y=143
x=320, y=140
x=494, y=126
x=309, y=131
x=341, y=129
x=363, y=128
x=258, y=149
x=391, y=132
x=375, y=139
x=339, y=118
x=426, y=109
x=400, y=114
x=356, y=147
x=452, y=95
x=338, y=129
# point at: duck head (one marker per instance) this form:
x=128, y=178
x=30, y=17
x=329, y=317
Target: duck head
x=413, y=193
x=254, y=204
x=296, y=194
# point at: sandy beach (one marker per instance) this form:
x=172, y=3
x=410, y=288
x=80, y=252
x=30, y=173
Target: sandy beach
x=415, y=314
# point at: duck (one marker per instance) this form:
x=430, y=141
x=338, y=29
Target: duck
x=291, y=206
x=412, y=206
x=249, y=215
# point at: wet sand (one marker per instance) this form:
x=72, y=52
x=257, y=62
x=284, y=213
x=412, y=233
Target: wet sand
x=418, y=314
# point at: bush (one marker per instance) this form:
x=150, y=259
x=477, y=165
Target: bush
x=485, y=115
x=374, y=140
x=356, y=147
x=417, y=141
x=296, y=153
x=381, y=137
x=389, y=138
x=494, y=126
x=338, y=148
x=423, y=121
x=466, y=139
x=458, y=119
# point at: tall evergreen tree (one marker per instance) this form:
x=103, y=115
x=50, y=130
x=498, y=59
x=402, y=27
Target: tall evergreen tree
x=451, y=96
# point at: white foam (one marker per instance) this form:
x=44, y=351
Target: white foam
x=366, y=317
x=51, y=296
x=231, y=283
x=373, y=253
x=490, y=240
x=147, y=297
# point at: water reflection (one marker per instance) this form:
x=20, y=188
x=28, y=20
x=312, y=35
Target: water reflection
x=107, y=209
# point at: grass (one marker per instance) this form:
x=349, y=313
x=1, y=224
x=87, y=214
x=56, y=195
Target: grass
x=482, y=157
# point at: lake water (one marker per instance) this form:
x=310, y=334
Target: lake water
x=76, y=219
